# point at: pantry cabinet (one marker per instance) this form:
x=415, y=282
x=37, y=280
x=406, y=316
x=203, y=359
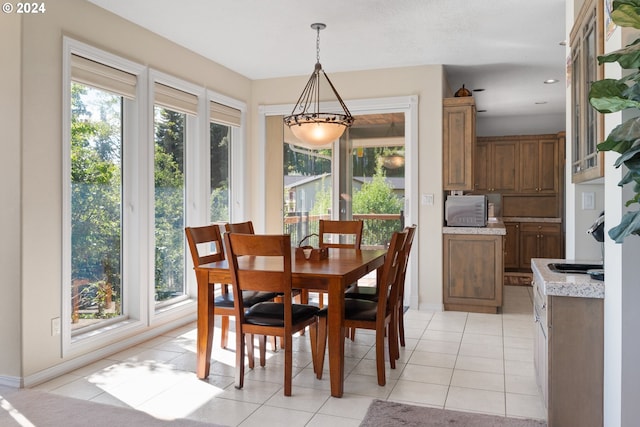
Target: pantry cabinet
x=496, y=169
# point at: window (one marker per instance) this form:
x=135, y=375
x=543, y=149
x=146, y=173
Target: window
x=222, y=129
x=99, y=96
x=172, y=106
x=586, y=123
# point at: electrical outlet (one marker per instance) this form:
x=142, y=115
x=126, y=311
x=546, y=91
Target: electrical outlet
x=55, y=326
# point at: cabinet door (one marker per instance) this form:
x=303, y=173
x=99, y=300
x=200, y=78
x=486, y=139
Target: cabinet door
x=459, y=134
x=482, y=166
x=539, y=240
x=473, y=272
x=503, y=167
x=548, y=161
x=551, y=242
x=512, y=246
x=529, y=166
x=529, y=235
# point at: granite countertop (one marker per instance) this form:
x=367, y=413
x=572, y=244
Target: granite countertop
x=493, y=227
x=566, y=284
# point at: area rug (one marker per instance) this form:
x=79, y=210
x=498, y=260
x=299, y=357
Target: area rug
x=382, y=413
x=32, y=408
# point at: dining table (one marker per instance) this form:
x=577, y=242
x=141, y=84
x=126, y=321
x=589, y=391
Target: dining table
x=332, y=275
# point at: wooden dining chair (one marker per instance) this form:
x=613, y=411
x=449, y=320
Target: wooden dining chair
x=374, y=315
x=205, y=245
x=265, y=266
x=339, y=234
x=371, y=292
x=240, y=227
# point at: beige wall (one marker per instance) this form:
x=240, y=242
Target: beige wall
x=32, y=153
x=427, y=83
x=10, y=248
x=41, y=143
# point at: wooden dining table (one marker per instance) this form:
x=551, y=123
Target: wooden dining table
x=331, y=275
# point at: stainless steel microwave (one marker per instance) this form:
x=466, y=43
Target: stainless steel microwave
x=466, y=211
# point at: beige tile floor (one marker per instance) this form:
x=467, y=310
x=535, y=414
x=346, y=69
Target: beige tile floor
x=453, y=360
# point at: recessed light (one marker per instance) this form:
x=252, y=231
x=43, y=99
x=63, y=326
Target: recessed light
x=541, y=102
x=478, y=90
x=481, y=111
x=563, y=43
x=551, y=81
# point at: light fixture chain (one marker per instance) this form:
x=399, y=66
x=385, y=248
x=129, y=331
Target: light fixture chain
x=318, y=45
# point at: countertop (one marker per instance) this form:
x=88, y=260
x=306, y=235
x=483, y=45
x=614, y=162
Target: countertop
x=493, y=227
x=566, y=285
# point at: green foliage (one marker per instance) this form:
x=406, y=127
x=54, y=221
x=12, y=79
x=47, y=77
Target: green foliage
x=377, y=197
x=610, y=95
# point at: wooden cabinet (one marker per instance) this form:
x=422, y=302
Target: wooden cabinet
x=539, y=240
x=459, y=135
x=512, y=246
x=473, y=272
x=496, y=166
x=569, y=357
x=526, y=164
x=539, y=171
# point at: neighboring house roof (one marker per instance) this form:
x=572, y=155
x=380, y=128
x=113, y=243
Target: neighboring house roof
x=292, y=181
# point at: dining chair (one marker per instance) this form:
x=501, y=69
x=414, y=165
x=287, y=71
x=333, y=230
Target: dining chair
x=374, y=315
x=333, y=233
x=205, y=245
x=371, y=292
x=266, y=267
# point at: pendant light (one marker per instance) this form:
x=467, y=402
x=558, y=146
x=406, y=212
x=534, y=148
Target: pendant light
x=307, y=122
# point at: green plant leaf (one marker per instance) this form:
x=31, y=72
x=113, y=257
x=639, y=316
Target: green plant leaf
x=625, y=14
x=627, y=155
x=630, y=224
x=627, y=57
x=622, y=137
x=607, y=96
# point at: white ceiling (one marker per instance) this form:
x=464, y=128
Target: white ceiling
x=507, y=47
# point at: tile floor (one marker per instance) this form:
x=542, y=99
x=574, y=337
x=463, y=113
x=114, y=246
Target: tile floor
x=453, y=360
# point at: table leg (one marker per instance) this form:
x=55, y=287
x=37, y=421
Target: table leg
x=336, y=340
x=205, y=324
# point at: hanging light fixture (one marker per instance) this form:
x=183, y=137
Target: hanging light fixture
x=307, y=122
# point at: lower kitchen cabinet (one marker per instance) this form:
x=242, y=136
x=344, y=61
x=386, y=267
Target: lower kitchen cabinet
x=473, y=272
x=569, y=358
x=512, y=246
x=539, y=240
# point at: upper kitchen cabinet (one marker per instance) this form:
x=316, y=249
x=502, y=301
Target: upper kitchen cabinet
x=496, y=165
x=459, y=135
x=539, y=172
x=587, y=42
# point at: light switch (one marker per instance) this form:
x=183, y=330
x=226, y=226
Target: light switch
x=588, y=200
x=427, y=199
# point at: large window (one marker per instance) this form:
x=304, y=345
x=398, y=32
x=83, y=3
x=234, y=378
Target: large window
x=141, y=162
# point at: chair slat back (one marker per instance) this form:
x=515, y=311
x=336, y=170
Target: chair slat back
x=342, y=228
x=205, y=244
x=388, y=283
x=259, y=262
x=240, y=227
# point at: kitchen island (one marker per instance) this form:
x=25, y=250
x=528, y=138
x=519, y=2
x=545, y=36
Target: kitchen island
x=473, y=267
x=569, y=343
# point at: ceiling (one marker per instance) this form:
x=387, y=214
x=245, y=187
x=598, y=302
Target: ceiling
x=506, y=47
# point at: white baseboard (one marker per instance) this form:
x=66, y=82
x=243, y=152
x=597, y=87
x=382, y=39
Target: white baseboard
x=15, y=382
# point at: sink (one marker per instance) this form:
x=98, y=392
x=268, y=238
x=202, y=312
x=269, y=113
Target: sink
x=559, y=267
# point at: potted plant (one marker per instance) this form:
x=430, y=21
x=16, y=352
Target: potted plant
x=613, y=95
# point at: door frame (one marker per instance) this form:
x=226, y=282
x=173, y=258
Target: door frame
x=401, y=104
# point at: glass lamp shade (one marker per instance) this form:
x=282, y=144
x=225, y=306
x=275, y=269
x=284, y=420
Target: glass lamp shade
x=317, y=133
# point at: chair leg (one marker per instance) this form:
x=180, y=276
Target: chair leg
x=224, y=331
x=321, y=345
x=313, y=339
x=274, y=344
x=394, y=350
x=239, y=359
x=321, y=299
x=249, y=343
x=380, y=357
x=288, y=364
x=262, y=340
x=401, y=324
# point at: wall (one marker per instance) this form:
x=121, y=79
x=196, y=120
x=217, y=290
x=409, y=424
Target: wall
x=427, y=83
x=40, y=44
x=10, y=171
x=519, y=125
